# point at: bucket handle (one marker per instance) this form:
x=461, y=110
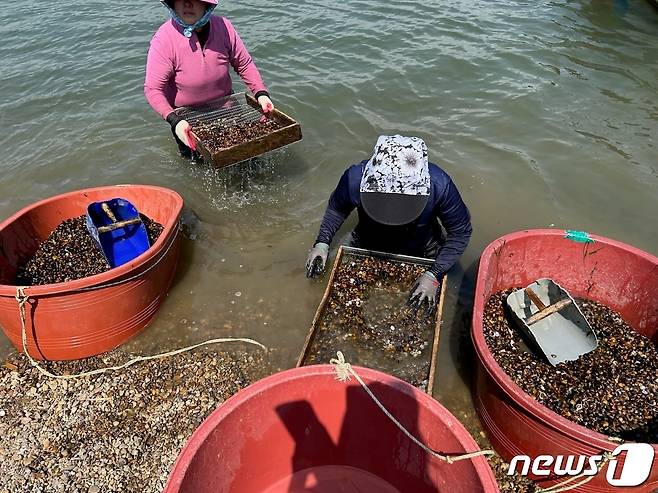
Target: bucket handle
x=108, y=212
x=544, y=311
x=115, y=224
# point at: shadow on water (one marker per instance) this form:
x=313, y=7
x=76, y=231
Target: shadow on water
x=461, y=347
x=185, y=260
x=369, y=448
x=612, y=15
x=621, y=7
x=190, y=227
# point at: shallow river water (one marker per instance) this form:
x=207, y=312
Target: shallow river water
x=545, y=113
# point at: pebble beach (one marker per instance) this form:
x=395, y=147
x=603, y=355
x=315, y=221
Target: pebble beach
x=114, y=432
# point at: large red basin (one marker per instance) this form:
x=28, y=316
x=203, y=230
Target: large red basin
x=301, y=430
x=92, y=315
x=617, y=275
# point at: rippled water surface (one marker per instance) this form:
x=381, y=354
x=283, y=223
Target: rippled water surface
x=545, y=113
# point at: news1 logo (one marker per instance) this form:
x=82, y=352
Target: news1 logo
x=636, y=468
x=633, y=471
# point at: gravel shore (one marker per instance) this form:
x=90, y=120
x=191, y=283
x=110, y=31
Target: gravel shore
x=116, y=432
x=506, y=484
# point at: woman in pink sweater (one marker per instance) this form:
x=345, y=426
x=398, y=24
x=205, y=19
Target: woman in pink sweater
x=188, y=63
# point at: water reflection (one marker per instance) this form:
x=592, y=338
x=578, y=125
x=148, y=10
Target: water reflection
x=543, y=114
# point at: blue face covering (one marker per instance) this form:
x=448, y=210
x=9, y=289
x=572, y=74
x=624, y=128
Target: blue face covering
x=188, y=29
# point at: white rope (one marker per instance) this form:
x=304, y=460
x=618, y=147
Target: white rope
x=343, y=373
x=22, y=299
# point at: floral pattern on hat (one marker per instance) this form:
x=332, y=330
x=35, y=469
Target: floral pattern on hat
x=398, y=165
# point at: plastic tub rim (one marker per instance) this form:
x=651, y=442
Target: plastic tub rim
x=208, y=426
x=113, y=275
x=497, y=374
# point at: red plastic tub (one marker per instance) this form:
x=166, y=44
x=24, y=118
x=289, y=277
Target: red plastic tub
x=92, y=315
x=617, y=275
x=301, y=430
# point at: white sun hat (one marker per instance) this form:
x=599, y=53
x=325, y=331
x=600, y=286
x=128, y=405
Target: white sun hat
x=395, y=185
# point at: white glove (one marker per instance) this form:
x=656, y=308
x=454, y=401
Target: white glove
x=424, y=290
x=265, y=104
x=317, y=260
x=183, y=132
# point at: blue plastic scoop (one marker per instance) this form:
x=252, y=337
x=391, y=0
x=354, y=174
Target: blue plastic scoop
x=118, y=230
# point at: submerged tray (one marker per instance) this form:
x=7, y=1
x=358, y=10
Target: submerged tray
x=238, y=110
x=368, y=347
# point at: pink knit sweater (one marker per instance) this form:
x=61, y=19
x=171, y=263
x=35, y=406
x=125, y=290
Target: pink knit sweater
x=181, y=73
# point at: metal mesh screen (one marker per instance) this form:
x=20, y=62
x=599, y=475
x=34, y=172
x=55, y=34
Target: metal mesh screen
x=231, y=111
